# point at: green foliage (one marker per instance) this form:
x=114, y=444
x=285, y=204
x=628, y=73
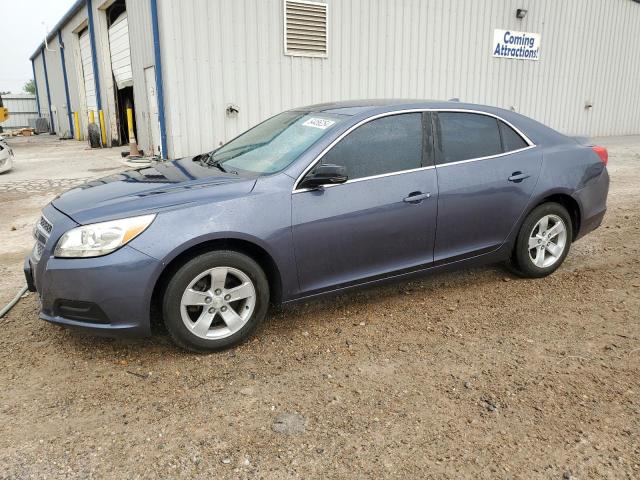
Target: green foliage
x=30, y=87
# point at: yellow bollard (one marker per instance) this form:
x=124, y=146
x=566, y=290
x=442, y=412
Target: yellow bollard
x=133, y=146
x=92, y=118
x=76, y=124
x=132, y=136
x=103, y=130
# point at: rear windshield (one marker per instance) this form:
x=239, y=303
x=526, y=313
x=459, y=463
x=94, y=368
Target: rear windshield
x=275, y=143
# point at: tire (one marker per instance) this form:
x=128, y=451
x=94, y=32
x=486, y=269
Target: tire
x=95, y=137
x=547, y=252
x=215, y=301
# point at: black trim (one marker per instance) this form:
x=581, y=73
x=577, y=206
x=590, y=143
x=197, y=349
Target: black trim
x=437, y=138
x=428, y=148
x=28, y=275
x=79, y=311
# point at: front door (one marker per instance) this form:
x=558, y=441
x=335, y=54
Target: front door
x=382, y=220
x=486, y=176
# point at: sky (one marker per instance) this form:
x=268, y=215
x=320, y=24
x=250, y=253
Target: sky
x=22, y=31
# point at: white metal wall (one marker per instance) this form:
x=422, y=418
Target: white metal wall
x=41, y=87
x=231, y=52
x=141, y=41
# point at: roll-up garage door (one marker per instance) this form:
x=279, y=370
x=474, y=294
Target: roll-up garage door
x=87, y=72
x=120, y=51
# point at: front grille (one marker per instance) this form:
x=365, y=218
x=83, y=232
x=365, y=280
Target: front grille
x=41, y=233
x=46, y=225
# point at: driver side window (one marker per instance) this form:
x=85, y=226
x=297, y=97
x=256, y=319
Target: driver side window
x=385, y=145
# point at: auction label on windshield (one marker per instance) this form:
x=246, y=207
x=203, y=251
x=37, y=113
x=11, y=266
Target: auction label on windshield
x=318, y=123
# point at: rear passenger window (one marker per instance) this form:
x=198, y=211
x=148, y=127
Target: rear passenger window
x=386, y=145
x=510, y=139
x=467, y=135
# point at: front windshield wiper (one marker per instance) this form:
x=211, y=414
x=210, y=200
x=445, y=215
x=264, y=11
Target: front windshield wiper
x=206, y=160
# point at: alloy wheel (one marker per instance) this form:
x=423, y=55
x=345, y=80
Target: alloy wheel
x=547, y=241
x=218, y=302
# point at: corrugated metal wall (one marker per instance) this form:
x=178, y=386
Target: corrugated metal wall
x=22, y=108
x=231, y=52
x=74, y=68
x=56, y=79
x=141, y=41
x=42, y=92
x=56, y=86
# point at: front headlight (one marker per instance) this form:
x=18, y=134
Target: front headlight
x=99, y=239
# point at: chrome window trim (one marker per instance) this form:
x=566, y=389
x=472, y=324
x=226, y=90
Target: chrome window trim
x=399, y=112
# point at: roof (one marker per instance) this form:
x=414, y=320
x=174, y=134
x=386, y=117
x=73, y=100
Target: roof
x=536, y=131
x=355, y=107
x=75, y=8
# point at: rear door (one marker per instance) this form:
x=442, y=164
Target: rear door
x=382, y=220
x=486, y=175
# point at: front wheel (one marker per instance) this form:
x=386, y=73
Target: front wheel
x=215, y=301
x=543, y=241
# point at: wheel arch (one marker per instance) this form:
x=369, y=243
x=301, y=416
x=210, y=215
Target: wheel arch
x=247, y=247
x=568, y=202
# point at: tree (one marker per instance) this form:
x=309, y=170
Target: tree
x=30, y=87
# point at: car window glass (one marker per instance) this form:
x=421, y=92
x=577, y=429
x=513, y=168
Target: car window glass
x=467, y=135
x=510, y=139
x=273, y=144
x=385, y=145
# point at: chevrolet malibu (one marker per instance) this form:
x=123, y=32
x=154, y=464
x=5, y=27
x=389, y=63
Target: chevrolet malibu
x=312, y=201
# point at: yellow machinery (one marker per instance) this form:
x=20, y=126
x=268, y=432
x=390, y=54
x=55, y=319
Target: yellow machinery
x=4, y=113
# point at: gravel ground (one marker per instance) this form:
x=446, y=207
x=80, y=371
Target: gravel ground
x=473, y=374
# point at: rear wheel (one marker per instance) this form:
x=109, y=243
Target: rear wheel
x=215, y=301
x=543, y=241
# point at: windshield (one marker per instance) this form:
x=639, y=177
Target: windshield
x=275, y=143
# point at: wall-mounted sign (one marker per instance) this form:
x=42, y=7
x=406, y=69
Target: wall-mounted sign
x=518, y=45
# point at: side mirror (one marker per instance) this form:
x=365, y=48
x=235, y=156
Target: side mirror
x=325, y=175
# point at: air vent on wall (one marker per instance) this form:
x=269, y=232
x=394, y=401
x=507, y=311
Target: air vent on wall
x=305, y=28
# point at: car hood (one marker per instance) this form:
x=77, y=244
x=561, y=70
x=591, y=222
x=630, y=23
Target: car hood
x=160, y=186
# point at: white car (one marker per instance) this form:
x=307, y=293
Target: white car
x=6, y=156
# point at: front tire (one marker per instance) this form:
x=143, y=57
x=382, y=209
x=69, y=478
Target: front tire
x=543, y=241
x=215, y=301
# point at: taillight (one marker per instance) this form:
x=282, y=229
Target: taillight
x=602, y=153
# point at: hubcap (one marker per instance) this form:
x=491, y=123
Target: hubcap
x=547, y=241
x=218, y=302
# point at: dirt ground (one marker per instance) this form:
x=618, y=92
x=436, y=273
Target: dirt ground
x=473, y=374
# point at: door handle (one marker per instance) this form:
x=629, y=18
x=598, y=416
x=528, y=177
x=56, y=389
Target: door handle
x=416, y=197
x=517, y=177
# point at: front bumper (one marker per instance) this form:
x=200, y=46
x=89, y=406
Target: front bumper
x=108, y=295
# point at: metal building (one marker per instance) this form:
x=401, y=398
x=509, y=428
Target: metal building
x=198, y=72
x=22, y=110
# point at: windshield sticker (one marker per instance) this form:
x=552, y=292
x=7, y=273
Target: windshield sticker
x=318, y=123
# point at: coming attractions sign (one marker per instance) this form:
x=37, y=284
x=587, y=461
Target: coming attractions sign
x=517, y=45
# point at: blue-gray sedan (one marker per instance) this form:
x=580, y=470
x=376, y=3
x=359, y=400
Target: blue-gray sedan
x=312, y=201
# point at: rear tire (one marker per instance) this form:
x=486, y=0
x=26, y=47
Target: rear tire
x=215, y=301
x=543, y=241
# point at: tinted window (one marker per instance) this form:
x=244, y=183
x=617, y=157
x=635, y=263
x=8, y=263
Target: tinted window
x=510, y=139
x=388, y=144
x=467, y=135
